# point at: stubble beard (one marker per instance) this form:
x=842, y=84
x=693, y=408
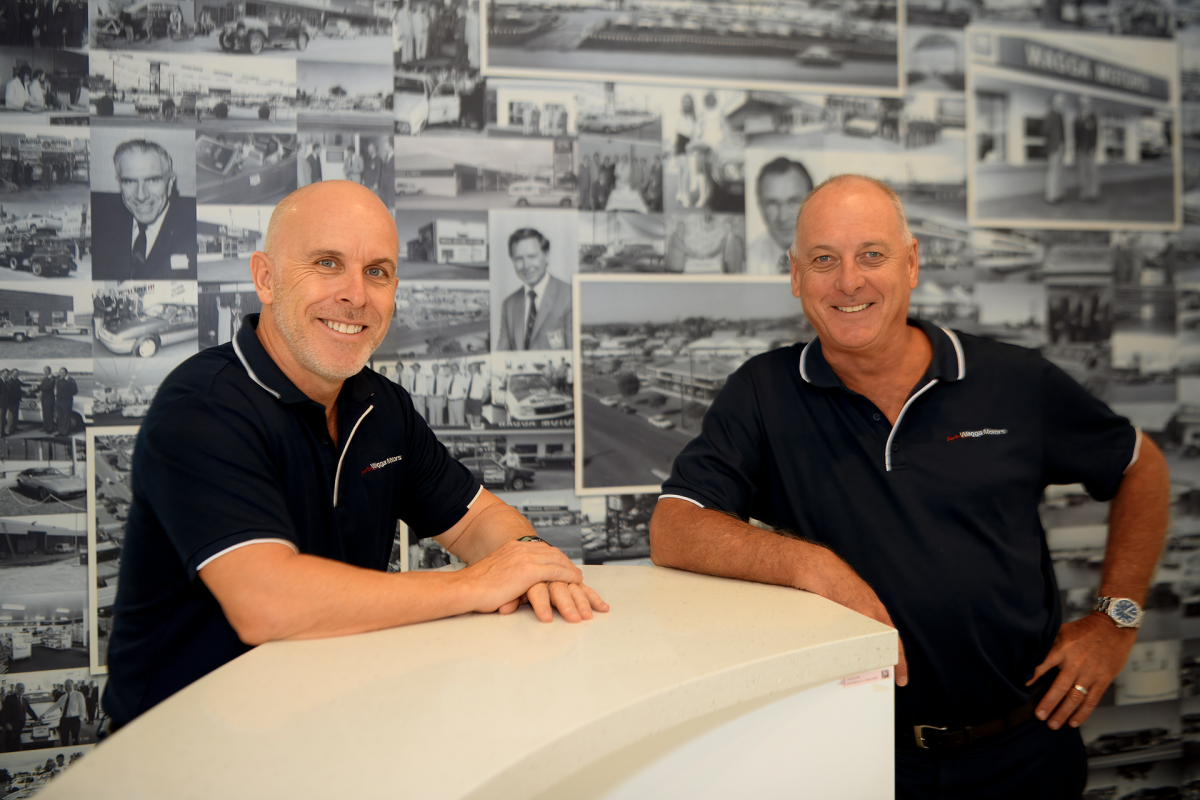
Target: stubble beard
x=293, y=328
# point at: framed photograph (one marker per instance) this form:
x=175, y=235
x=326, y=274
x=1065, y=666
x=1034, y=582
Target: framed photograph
x=646, y=374
x=763, y=46
x=1073, y=131
x=110, y=459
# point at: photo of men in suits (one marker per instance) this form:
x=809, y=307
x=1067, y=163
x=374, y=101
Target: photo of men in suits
x=147, y=231
x=538, y=315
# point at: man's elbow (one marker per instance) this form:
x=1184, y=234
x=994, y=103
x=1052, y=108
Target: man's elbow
x=255, y=626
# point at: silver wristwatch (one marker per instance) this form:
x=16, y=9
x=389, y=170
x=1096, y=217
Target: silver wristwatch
x=1124, y=612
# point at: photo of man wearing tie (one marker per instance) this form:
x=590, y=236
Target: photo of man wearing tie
x=147, y=229
x=538, y=315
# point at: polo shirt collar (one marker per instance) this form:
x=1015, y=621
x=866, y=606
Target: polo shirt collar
x=263, y=370
x=948, y=363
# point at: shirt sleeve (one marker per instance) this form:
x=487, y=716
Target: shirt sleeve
x=437, y=489
x=1085, y=440
x=208, y=499
x=720, y=468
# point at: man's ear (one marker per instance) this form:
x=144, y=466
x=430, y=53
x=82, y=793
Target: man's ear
x=261, y=272
x=171, y=185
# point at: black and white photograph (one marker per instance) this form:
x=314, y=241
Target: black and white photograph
x=766, y=46
x=144, y=204
x=47, y=479
x=29, y=771
x=931, y=184
x=1118, y=17
x=448, y=392
x=45, y=594
x=436, y=36
x=648, y=373
x=439, y=173
x=48, y=320
x=44, y=166
x=40, y=240
x=1012, y=312
x=359, y=153
x=532, y=389
x=442, y=318
x=556, y=517
x=338, y=30
x=518, y=460
x=442, y=103
x=344, y=93
x=144, y=319
x=935, y=59
x=619, y=175
x=442, y=245
x=533, y=109
x=621, y=241
x=533, y=256
x=937, y=13
x=1123, y=744
x=225, y=238
x=144, y=329
x=46, y=87
x=244, y=168
x=109, y=497
x=704, y=243
x=186, y=90
x=616, y=528
x=58, y=24
x=1073, y=131
x=47, y=403
x=619, y=111
x=704, y=151
x=221, y=309
x=777, y=183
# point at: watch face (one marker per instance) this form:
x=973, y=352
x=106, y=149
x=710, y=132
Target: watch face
x=1124, y=611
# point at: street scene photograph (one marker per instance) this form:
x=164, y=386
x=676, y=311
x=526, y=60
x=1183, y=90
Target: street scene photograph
x=439, y=318
x=225, y=238
x=648, y=374
x=442, y=245
x=52, y=322
x=41, y=240
x=1073, y=131
x=621, y=241
x=343, y=92
x=852, y=44
x=439, y=173
x=44, y=165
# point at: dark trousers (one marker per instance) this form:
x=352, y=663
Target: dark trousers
x=12, y=740
x=11, y=415
x=48, y=414
x=62, y=418
x=1031, y=762
x=68, y=730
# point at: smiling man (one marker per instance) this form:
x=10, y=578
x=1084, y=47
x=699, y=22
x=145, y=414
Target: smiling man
x=270, y=473
x=538, y=315
x=148, y=231
x=903, y=464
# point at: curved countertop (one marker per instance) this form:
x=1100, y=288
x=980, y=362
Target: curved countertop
x=481, y=705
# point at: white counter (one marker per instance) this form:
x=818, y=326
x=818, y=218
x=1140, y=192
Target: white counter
x=683, y=669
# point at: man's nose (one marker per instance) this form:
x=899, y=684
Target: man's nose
x=352, y=289
x=850, y=277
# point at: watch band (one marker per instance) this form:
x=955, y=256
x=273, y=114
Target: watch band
x=1123, y=611
x=532, y=539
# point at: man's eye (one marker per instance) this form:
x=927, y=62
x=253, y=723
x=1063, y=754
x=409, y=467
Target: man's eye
x=325, y=262
x=873, y=254
x=376, y=272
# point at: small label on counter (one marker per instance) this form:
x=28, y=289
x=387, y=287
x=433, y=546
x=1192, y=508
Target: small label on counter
x=867, y=677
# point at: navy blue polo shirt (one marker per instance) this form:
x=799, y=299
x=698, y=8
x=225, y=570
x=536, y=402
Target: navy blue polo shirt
x=231, y=452
x=938, y=513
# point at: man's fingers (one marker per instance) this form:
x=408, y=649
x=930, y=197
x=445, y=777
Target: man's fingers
x=1086, y=707
x=1055, y=696
x=539, y=599
x=560, y=594
x=1070, y=702
x=594, y=599
x=580, y=599
x=1053, y=659
x=510, y=606
x=901, y=667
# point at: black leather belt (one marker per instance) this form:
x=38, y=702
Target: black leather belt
x=943, y=739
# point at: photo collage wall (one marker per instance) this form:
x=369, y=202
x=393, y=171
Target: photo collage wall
x=652, y=155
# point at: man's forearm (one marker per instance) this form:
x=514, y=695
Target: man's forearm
x=685, y=536
x=1137, y=523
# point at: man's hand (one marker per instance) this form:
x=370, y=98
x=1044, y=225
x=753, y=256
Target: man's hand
x=533, y=572
x=836, y=581
x=1089, y=653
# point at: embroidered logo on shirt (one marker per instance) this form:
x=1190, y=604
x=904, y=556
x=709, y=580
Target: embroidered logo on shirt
x=381, y=464
x=977, y=434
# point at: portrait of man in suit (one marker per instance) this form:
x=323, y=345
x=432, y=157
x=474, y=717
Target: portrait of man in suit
x=538, y=315
x=147, y=231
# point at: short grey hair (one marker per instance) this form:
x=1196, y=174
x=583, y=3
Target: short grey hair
x=144, y=146
x=888, y=191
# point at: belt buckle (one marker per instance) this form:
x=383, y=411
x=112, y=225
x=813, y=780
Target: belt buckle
x=919, y=734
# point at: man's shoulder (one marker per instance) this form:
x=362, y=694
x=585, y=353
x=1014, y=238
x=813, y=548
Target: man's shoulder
x=982, y=353
x=212, y=377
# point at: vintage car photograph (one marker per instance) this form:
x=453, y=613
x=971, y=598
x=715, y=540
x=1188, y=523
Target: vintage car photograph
x=537, y=193
x=41, y=255
x=488, y=471
x=420, y=101
x=529, y=396
x=250, y=34
x=245, y=168
x=144, y=334
x=47, y=482
x=30, y=410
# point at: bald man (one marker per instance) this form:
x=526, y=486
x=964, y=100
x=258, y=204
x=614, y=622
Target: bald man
x=270, y=472
x=906, y=462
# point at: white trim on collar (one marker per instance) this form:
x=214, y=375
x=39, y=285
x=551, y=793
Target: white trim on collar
x=962, y=361
x=803, y=355
x=237, y=349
